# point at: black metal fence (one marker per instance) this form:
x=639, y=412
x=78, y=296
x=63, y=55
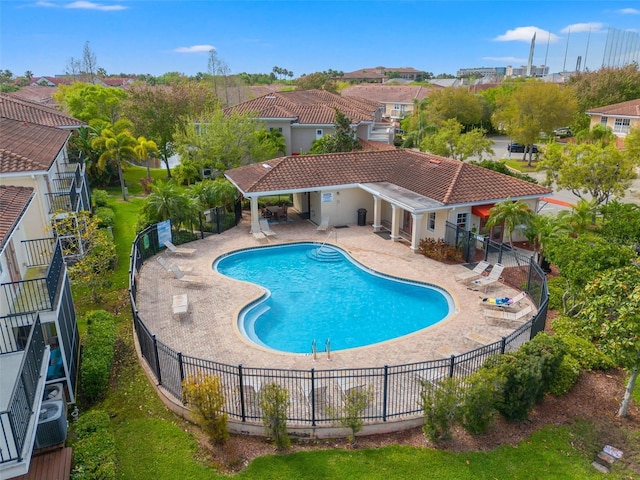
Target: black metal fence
x=317, y=395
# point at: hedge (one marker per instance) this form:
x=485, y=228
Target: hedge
x=97, y=354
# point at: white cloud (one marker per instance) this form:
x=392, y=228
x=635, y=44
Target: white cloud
x=525, y=34
x=504, y=59
x=94, y=6
x=629, y=11
x=194, y=49
x=45, y=4
x=593, y=27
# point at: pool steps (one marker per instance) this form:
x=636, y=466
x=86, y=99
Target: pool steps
x=325, y=254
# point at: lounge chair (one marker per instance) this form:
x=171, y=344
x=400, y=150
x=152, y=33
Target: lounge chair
x=324, y=224
x=266, y=229
x=518, y=316
x=168, y=265
x=493, y=277
x=178, y=250
x=186, y=278
x=259, y=236
x=473, y=274
x=503, y=303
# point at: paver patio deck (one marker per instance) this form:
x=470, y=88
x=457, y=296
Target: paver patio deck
x=209, y=330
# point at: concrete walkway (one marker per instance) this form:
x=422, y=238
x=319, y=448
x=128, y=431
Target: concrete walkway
x=209, y=329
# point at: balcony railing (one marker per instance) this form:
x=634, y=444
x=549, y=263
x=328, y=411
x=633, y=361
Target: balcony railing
x=68, y=190
x=14, y=421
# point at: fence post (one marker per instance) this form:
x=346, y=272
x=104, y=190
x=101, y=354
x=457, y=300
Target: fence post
x=386, y=392
x=529, y=276
x=452, y=365
x=242, y=410
x=155, y=352
x=503, y=345
x=313, y=398
x=181, y=367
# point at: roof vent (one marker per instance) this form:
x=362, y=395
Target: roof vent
x=270, y=97
x=434, y=161
x=264, y=165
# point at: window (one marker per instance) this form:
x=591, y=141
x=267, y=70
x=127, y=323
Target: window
x=604, y=121
x=319, y=133
x=431, y=221
x=396, y=106
x=279, y=129
x=621, y=125
x=462, y=220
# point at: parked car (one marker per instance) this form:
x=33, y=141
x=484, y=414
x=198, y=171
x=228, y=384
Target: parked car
x=563, y=132
x=514, y=147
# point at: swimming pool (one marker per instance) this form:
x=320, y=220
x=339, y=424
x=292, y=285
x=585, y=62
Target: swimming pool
x=320, y=293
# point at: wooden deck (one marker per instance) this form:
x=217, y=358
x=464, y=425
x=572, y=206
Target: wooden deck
x=53, y=465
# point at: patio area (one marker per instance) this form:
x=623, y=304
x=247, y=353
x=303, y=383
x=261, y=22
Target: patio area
x=208, y=329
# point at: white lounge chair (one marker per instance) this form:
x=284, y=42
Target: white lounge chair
x=503, y=303
x=489, y=280
x=186, y=278
x=266, y=229
x=324, y=224
x=473, y=274
x=168, y=265
x=518, y=316
x=259, y=236
x=178, y=250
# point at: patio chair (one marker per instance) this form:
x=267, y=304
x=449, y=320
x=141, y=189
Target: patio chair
x=186, y=278
x=518, y=316
x=168, y=265
x=473, y=274
x=178, y=250
x=266, y=229
x=491, y=279
x=503, y=303
x=324, y=224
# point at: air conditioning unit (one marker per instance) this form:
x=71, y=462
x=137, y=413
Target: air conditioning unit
x=52, y=424
x=53, y=391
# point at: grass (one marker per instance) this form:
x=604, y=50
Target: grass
x=153, y=443
x=132, y=175
x=519, y=164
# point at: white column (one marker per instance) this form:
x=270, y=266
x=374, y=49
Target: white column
x=415, y=231
x=377, y=214
x=255, y=215
x=395, y=222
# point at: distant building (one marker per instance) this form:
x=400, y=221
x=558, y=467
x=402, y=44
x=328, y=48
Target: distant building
x=521, y=71
x=383, y=74
x=495, y=72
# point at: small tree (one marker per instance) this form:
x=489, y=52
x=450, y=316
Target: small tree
x=274, y=402
x=205, y=396
x=354, y=403
x=440, y=408
x=511, y=214
x=343, y=140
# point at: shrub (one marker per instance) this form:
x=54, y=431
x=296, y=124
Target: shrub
x=518, y=378
x=94, y=451
x=566, y=376
x=354, y=403
x=585, y=353
x=440, y=408
x=105, y=215
x=549, y=352
x=97, y=354
x=99, y=198
x=477, y=405
x=557, y=286
x=205, y=396
x=145, y=183
x=439, y=250
x=274, y=402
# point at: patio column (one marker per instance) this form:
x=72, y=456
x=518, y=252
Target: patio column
x=377, y=214
x=255, y=215
x=415, y=231
x=395, y=222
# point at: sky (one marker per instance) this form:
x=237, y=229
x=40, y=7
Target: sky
x=306, y=36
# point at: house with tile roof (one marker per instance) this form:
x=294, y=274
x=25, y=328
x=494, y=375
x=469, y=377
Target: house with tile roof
x=34, y=154
x=413, y=195
x=303, y=116
x=382, y=74
x=619, y=117
x=398, y=100
x=39, y=340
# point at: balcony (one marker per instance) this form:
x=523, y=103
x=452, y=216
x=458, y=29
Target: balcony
x=70, y=191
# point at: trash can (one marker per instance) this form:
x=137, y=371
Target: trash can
x=362, y=217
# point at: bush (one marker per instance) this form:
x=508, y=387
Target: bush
x=354, y=403
x=274, y=402
x=566, y=376
x=476, y=409
x=97, y=354
x=99, y=198
x=439, y=250
x=586, y=353
x=94, y=451
x=557, y=286
x=205, y=396
x=440, y=408
x=105, y=215
x=549, y=351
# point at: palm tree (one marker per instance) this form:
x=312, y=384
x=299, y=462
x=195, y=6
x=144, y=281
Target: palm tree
x=162, y=203
x=118, y=145
x=542, y=228
x=144, y=149
x=511, y=214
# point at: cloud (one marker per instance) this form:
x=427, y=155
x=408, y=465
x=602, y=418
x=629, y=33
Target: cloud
x=83, y=5
x=525, y=34
x=629, y=11
x=504, y=59
x=593, y=27
x=195, y=49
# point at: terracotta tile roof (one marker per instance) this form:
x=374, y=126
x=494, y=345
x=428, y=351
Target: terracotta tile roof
x=630, y=108
x=374, y=145
x=28, y=147
x=308, y=107
x=24, y=110
x=13, y=202
x=441, y=179
x=387, y=93
x=41, y=95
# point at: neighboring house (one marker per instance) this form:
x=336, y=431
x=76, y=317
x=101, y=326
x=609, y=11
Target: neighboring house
x=412, y=194
x=398, y=100
x=33, y=154
x=619, y=117
x=39, y=95
x=306, y=115
x=383, y=74
x=51, y=81
x=39, y=340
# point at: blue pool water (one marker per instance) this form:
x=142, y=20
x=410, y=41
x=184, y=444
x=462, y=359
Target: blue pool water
x=320, y=295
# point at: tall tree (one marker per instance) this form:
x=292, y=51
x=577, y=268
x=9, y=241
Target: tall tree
x=91, y=102
x=118, y=145
x=533, y=108
x=89, y=63
x=449, y=141
x=144, y=149
x=606, y=86
x=343, y=140
x=589, y=171
x=460, y=104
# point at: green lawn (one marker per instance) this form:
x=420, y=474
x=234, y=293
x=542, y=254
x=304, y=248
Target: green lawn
x=132, y=175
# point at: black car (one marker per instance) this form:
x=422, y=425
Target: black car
x=519, y=148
